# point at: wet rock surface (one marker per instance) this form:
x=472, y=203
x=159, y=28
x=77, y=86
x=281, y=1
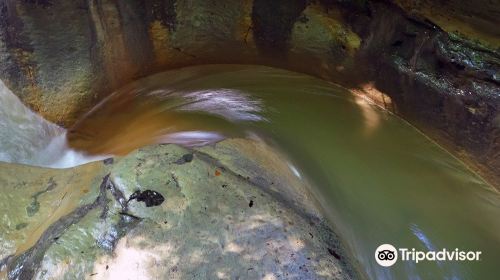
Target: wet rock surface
x=437, y=62
x=444, y=83
x=34, y=198
x=208, y=225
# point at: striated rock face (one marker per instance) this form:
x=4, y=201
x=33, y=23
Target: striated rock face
x=444, y=83
x=50, y=65
x=76, y=52
x=476, y=20
x=435, y=62
x=223, y=215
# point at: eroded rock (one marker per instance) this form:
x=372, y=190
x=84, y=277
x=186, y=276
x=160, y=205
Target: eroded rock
x=201, y=230
x=437, y=62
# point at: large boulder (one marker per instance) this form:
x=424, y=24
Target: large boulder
x=165, y=212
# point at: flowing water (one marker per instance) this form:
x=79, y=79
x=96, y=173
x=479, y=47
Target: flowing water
x=29, y=139
x=377, y=178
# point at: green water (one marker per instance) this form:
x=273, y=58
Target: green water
x=378, y=179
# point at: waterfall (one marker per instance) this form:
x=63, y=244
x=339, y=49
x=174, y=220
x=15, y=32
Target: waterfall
x=27, y=138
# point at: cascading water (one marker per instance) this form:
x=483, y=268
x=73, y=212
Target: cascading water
x=29, y=139
x=377, y=178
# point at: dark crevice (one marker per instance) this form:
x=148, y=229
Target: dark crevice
x=272, y=23
x=333, y=253
x=185, y=159
x=397, y=43
x=25, y=266
x=130, y=215
x=149, y=197
x=164, y=11
x=118, y=195
x=257, y=182
x=263, y=185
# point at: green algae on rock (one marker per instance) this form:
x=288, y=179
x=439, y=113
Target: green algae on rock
x=33, y=198
x=204, y=229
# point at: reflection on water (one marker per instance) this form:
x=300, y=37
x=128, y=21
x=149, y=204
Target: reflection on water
x=377, y=178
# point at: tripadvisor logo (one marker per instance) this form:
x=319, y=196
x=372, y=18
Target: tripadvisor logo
x=387, y=255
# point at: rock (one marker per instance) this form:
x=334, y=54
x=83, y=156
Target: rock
x=437, y=61
x=149, y=197
x=237, y=224
x=34, y=198
x=443, y=83
x=477, y=20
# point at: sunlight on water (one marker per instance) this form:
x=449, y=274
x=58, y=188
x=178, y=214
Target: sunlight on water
x=377, y=178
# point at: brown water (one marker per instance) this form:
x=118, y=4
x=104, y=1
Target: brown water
x=378, y=179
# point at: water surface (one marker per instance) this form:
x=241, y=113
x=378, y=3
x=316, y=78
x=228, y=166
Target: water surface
x=377, y=178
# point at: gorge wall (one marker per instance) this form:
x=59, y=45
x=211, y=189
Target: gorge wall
x=435, y=63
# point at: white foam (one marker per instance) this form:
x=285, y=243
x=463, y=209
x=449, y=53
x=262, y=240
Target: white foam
x=27, y=138
x=191, y=138
x=58, y=155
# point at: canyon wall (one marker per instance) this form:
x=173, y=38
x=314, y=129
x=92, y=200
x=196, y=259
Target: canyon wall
x=435, y=63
